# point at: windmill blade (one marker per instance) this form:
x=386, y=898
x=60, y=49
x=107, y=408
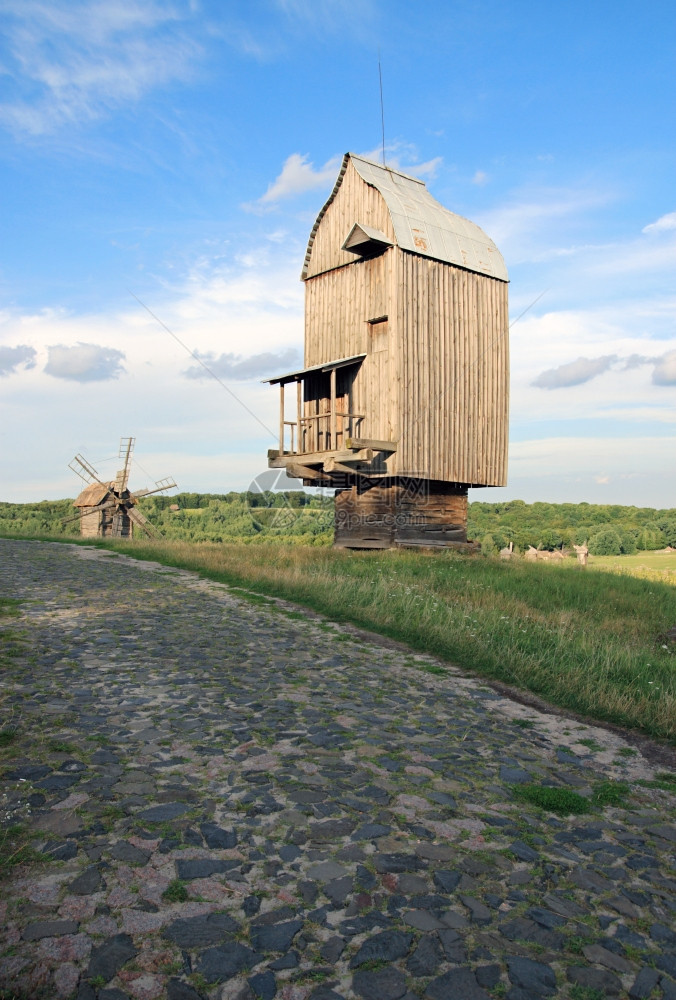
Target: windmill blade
x=84, y=470
x=143, y=523
x=160, y=485
x=126, y=449
x=88, y=513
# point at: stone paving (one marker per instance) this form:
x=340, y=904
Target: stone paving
x=239, y=800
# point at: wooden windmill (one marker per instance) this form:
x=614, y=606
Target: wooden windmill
x=403, y=401
x=107, y=510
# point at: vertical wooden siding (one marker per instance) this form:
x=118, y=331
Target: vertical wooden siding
x=454, y=365
x=338, y=305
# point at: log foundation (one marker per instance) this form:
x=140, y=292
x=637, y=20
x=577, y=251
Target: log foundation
x=387, y=513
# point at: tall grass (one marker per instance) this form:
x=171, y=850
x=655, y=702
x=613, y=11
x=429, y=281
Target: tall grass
x=588, y=642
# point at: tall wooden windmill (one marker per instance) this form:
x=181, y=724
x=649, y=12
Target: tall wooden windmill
x=108, y=509
x=403, y=401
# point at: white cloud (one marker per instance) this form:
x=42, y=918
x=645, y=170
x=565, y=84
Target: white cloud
x=664, y=372
x=403, y=156
x=239, y=369
x=84, y=362
x=73, y=61
x=480, y=178
x=574, y=372
x=299, y=176
x=12, y=358
x=664, y=224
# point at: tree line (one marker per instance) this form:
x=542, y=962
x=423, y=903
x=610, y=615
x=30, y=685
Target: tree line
x=305, y=518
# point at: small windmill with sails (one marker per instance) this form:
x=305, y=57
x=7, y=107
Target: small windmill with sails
x=108, y=510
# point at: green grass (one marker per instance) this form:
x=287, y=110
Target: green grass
x=561, y=801
x=175, y=892
x=565, y=802
x=586, y=642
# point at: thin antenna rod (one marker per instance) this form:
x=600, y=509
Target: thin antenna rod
x=382, y=107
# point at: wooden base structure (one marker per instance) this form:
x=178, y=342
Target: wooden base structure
x=386, y=513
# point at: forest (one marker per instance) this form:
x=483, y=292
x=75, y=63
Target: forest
x=305, y=518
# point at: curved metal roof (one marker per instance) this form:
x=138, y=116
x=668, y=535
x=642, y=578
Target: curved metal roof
x=421, y=224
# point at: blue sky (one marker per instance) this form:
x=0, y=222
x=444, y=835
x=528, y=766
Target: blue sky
x=179, y=152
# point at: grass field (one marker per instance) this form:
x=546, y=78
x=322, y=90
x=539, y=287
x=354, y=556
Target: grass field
x=591, y=642
x=644, y=565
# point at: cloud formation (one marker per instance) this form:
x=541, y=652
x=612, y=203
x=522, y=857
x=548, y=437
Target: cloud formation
x=663, y=225
x=585, y=369
x=12, y=357
x=574, y=373
x=664, y=372
x=75, y=60
x=239, y=369
x=298, y=176
x=84, y=362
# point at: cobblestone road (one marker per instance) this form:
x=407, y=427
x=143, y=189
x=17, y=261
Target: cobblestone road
x=241, y=801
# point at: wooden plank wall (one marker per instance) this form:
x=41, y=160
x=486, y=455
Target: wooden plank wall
x=453, y=371
x=355, y=201
x=338, y=306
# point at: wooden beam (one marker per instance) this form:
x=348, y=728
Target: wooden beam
x=332, y=465
x=299, y=415
x=277, y=461
x=357, y=443
x=281, y=418
x=333, y=408
x=303, y=472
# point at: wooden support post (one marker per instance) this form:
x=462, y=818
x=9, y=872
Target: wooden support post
x=333, y=410
x=299, y=414
x=281, y=418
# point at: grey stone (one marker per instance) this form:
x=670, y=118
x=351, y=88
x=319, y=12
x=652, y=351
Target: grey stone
x=453, y=945
x=332, y=949
x=534, y=977
x=108, y=958
x=523, y=852
x=479, y=912
x=487, y=976
x=263, y=985
x=602, y=980
x=663, y=935
x=371, y=831
x=460, y=983
x=514, y=775
x=381, y=984
x=288, y=961
x=29, y=772
x=385, y=947
x=330, y=830
x=163, y=813
x=396, y=863
x=276, y=937
x=326, y=871
x=123, y=851
x=191, y=933
x=87, y=883
x=338, y=890
x=217, y=965
x=177, y=989
x=49, y=928
x=65, y=851
x=190, y=868
x=112, y=994
x=216, y=837
x=57, y=782
x=427, y=957
x=447, y=881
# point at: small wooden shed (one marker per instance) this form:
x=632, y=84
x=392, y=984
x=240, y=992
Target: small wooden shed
x=402, y=403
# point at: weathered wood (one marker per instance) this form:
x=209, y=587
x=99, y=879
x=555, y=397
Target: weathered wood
x=425, y=388
x=358, y=443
